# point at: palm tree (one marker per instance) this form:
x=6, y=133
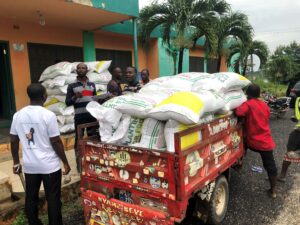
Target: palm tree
x=180, y=17
x=257, y=48
x=226, y=29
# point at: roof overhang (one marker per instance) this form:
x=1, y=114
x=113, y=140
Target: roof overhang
x=60, y=13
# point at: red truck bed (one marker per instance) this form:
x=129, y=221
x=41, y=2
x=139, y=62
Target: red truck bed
x=131, y=185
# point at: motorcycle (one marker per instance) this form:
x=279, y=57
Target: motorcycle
x=278, y=106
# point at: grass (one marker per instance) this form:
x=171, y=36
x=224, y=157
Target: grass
x=273, y=88
x=68, y=208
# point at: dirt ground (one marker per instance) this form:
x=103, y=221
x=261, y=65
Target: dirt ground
x=249, y=203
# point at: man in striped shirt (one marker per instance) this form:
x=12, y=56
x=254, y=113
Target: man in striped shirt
x=79, y=94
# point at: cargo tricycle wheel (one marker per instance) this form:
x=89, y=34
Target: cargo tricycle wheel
x=219, y=201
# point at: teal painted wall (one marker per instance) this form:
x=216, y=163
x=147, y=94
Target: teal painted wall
x=128, y=7
x=166, y=64
x=89, y=51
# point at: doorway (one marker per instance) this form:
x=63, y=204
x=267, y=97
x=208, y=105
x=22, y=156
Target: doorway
x=7, y=98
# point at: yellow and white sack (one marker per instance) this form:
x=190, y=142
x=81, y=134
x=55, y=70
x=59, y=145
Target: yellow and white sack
x=173, y=127
x=187, y=107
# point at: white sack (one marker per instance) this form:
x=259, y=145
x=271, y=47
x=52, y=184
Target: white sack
x=154, y=85
x=234, y=99
x=134, y=132
x=68, y=111
x=120, y=132
x=67, y=128
x=108, y=119
x=57, y=108
x=102, y=78
x=54, y=91
x=62, y=68
x=65, y=119
x=221, y=82
x=137, y=105
x=98, y=66
x=183, y=81
x=152, y=134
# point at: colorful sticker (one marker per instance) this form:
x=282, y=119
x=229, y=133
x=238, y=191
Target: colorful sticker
x=124, y=174
x=91, y=167
x=145, y=180
x=122, y=159
x=155, y=182
x=98, y=169
x=142, y=163
x=195, y=162
x=186, y=180
x=236, y=139
x=164, y=184
x=161, y=174
x=116, y=220
x=137, y=175
x=101, y=161
x=146, y=171
x=135, y=181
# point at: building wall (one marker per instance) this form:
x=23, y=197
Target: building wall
x=199, y=52
x=21, y=33
x=146, y=59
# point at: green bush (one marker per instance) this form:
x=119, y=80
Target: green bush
x=275, y=89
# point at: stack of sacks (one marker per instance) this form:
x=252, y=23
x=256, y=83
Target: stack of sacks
x=227, y=84
x=56, y=79
x=171, y=104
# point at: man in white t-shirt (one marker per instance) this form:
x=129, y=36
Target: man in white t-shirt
x=37, y=129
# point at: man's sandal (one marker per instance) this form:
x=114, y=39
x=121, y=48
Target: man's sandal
x=271, y=195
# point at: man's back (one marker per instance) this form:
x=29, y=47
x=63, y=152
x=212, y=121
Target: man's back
x=35, y=126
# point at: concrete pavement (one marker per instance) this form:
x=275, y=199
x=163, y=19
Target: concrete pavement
x=14, y=180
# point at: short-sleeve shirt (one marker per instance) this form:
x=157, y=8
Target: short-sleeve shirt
x=34, y=126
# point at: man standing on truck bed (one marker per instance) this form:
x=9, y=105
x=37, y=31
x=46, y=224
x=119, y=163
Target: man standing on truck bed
x=258, y=133
x=37, y=129
x=80, y=94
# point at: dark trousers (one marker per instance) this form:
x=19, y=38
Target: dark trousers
x=90, y=131
x=52, y=185
x=268, y=162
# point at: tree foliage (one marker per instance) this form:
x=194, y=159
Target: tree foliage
x=284, y=64
x=243, y=51
x=181, y=21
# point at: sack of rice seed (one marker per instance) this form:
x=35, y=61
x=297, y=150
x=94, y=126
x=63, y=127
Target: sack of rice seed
x=183, y=81
x=221, y=82
x=234, y=99
x=59, y=69
x=134, y=132
x=136, y=105
x=155, y=85
x=102, y=78
x=187, y=107
x=152, y=134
